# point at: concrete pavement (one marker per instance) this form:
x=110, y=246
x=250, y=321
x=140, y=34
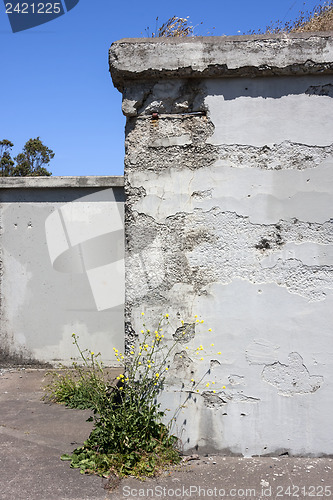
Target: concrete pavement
x=34, y=434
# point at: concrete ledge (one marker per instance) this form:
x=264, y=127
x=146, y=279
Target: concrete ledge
x=62, y=182
x=253, y=55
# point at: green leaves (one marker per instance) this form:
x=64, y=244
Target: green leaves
x=32, y=159
x=6, y=162
x=30, y=163
x=128, y=435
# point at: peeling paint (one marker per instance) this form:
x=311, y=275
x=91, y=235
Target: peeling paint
x=292, y=378
x=320, y=90
x=181, y=361
x=290, y=192
x=260, y=119
x=212, y=400
x=261, y=352
x=236, y=379
x=185, y=333
x=229, y=217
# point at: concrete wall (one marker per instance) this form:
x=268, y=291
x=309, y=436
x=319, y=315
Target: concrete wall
x=228, y=179
x=62, y=268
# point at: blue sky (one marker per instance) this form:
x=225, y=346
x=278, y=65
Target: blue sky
x=55, y=81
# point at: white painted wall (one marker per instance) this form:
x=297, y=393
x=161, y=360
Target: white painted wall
x=62, y=272
x=259, y=219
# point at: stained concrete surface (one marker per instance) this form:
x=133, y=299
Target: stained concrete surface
x=34, y=434
x=228, y=181
x=62, y=244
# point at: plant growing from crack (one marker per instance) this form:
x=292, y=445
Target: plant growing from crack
x=129, y=436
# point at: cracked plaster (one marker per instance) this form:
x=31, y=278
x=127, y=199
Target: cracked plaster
x=228, y=217
x=292, y=378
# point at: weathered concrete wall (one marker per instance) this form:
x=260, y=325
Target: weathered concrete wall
x=228, y=179
x=62, y=268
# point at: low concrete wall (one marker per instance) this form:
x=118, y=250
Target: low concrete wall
x=228, y=179
x=62, y=268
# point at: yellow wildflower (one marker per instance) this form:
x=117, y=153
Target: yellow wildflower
x=223, y=387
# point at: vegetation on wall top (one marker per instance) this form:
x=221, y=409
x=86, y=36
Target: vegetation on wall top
x=320, y=18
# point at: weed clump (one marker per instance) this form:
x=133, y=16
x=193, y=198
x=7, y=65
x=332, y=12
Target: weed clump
x=83, y=386
x=129, y=436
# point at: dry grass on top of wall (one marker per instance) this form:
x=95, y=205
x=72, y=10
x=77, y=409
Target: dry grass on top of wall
x=320, y=18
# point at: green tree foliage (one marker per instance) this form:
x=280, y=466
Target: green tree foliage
x=32, y=162
x=32, y=159
x=6, y=161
